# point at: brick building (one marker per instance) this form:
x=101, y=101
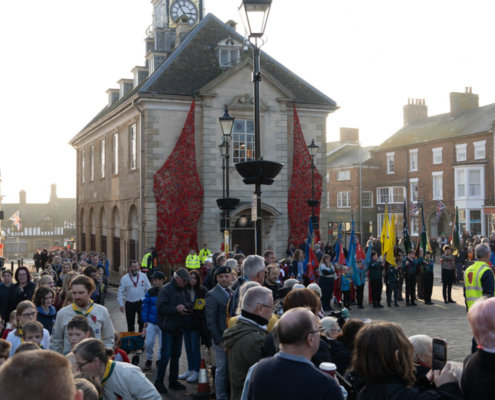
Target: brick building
x=121, y=149
x=447, y=157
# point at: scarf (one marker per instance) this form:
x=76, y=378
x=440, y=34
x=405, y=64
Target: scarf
x=78, y=311
x=19, y=331
x=108, y=373
x=256, y=318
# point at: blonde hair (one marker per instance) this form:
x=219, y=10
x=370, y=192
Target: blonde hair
x=68, y=299
x=44, y=280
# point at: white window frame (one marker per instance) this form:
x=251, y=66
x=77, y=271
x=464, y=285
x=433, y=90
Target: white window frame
x=415, y=225
x=466, y=170
x=416, y=182
x=469, y=184
x=390, y=163
x=370, y=199
x=435, y=196
x=102, y=158
x=340, y=199
x=437, y=151
x=344, y=175
x=413, y=160
x=92, y=163
x=393, y=190
x=115, y=154
x=481, y=145
x=463, y=149
x=229, y=61
x=248, y=154
x=83, y=165
x=132, y=147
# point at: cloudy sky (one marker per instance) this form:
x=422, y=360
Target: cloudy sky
x=59, y=58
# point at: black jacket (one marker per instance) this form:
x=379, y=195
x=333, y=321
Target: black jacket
x=394, y=389
x=4, y=295
x=340, y=355
x=15, y=296
x=169, y=319
x=477, y=377
x=198, y=318
x=322, y=355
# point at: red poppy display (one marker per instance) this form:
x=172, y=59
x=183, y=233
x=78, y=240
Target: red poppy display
x=300, y=188
x=179, y=198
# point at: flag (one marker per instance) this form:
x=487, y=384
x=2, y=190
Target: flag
x=440, y=208
x=383, y=237
x=405, y=233
x=455, y=235
x=360, y=255
x=367, y=260
x=389, y=248
x=16, y=220
x=428, y=245
x=422, y=236
x=351, y=259
x=413, y=210
x=340, y=257
x=310, y=261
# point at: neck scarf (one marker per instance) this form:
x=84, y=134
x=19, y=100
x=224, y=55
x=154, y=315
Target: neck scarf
x=19, y=331
x=256, y=318
x=132, y=280
x=108, y=372
x=77, y=310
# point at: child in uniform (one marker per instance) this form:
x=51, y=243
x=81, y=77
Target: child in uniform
x=346, y=286
x=428, y=268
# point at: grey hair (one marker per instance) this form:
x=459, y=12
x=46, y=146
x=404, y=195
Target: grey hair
x=422, y=344
x=232, y=264
x=315, y=288
x=291, y=282
x=254, y=296
x=242, y=291
x=317, y=247
x=482, y=250
x=298, y=286
x=485, y=240
x=253, y=265
x=328, y=323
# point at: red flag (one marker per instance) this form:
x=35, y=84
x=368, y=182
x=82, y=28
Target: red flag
x=360, y=255
x=341, y=258
x=312, y=265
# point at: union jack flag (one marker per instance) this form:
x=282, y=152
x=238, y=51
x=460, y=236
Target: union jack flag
x=440, y=208
x=413, y=209
x=16, y=220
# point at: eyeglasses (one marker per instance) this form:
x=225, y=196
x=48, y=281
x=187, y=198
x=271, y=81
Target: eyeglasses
x=30, y=315
x=334, y=330
x=82, y=365
x=320, y=329
x=271, y=307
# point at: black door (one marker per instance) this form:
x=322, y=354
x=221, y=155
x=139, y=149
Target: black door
x=104, y=244
x=116, y=254
x=243, y=235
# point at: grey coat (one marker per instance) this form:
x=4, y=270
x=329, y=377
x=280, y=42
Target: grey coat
x=216, y=313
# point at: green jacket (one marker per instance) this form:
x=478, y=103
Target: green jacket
x=243, y=342
x=375, y=270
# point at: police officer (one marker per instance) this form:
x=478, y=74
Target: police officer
x=204, y=254
x=147, y=262
x=192, y=260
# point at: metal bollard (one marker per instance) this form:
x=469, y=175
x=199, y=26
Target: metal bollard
x=12, y=266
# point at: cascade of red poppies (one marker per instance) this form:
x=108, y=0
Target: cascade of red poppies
x=179, y=198
x=300, y=188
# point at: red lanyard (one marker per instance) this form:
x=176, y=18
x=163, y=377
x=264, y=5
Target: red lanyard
x=132, y=280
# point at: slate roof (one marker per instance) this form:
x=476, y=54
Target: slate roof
x=348, y=156
x=33, y=213
x=194, y=64
x=467, y=122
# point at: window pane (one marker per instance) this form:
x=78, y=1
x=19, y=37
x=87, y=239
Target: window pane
x=234, y=57
x=239, y=126
x=475, y=221
x=250, y=126
x=224, y=58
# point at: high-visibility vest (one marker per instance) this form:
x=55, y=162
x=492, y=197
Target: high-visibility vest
x=204, y=254
x=192, y=262
x=144, y=262
x=472, y=282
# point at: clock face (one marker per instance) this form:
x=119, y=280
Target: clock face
x=184, y=7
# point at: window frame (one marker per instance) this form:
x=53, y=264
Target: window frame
x=467, y=184
x=413, y=153
x=478, y=145
x=459, y=147
x=391, y=194
x=347, y=174
x=370, y=199
x=133, y=147
x=437, y=151
x=91, y=163
x=434, y=176
x=229, y=51
x=115, y=154
x=102, y=158
x=340, y=199
x=416, y=182
x=246, y=150
x=391, y=163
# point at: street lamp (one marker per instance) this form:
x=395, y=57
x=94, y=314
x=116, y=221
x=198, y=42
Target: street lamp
x=226, y=203
x=313, y=149
x=259, y=172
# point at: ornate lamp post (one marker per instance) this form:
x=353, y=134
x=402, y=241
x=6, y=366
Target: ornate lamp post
x=313, y=149
x=259, y=172
x=226, y=203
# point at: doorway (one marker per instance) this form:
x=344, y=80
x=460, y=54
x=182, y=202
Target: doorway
x=243, y=235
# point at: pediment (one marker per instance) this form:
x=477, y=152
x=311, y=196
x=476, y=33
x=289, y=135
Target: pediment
x=246, y=102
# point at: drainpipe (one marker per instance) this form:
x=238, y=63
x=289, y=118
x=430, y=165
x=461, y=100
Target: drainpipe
x=141, y=178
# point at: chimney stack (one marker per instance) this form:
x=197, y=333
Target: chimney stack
x=415, y=109
x=182, y=29
x=349, y=135
x=232, y=24
x=22, y=199
x=463, y=101
x=53, y=194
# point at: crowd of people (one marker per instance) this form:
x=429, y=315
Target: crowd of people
x=261, y=320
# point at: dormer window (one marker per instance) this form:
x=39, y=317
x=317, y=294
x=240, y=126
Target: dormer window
x=228, y=52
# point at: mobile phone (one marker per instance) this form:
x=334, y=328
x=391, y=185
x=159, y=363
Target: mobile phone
x=439, y=356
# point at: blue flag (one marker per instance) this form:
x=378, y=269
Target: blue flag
x=309, y=244
x=351, y=257
x=367, y=260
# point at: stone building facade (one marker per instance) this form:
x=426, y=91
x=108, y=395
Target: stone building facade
x=121, y=149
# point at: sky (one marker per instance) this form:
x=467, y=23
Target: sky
x=59, y=58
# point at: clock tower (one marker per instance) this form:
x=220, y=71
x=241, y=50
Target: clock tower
x=166, y=12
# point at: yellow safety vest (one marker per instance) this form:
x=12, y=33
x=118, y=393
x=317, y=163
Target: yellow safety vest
x=204, y=254
x=472, y=282
x=192, y=262
x=144, y=262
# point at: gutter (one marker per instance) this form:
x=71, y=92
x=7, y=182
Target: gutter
x=141, y=175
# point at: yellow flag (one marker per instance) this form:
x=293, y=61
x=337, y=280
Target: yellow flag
x=428, y=245
x=383, y=238
x=389, y=248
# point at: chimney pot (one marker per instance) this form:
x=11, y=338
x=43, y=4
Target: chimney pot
x=182, y=29
x=415, y=109
x=232, y=24
x=53, y=194
x=22, y=198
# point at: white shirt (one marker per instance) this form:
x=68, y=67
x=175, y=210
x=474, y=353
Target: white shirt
x=15, y=341
x=129, y=292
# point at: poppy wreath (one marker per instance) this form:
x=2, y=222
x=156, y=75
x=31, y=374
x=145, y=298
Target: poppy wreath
x=179, y=198
x=300, y=188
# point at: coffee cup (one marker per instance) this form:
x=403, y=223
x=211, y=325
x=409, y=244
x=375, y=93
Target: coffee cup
x=328, y=368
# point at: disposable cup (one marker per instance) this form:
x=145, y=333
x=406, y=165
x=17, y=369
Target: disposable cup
x=328, y=368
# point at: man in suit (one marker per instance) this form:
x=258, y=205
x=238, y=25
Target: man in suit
x=216, y=318
x=319, y=253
